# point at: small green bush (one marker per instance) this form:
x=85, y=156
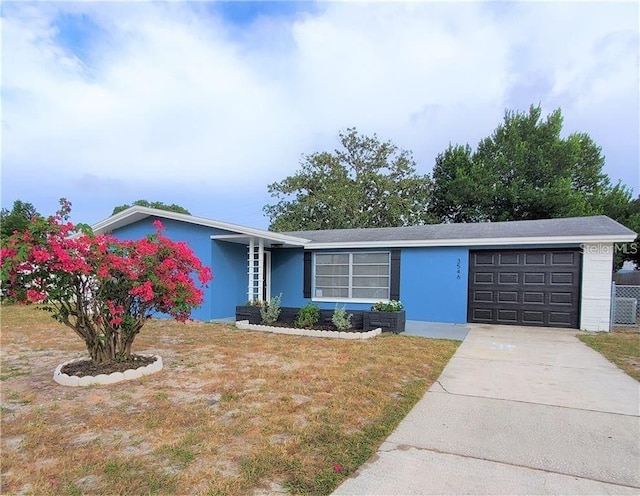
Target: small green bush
x=308, y=316
x=387, y=306
x=269, y=312
x=340, y=319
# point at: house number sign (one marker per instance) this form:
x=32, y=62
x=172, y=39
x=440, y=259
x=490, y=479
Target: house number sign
x=458, y=268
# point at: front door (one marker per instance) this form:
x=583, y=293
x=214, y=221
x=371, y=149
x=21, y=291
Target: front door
x=266, y=283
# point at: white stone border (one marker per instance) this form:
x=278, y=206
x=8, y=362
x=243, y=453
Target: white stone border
x=103, y=379
x=245, y=326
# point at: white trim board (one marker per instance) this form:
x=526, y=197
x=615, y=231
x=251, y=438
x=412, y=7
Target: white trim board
x=471, y=242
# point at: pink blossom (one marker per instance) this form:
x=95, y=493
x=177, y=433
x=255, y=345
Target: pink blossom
x=36, y=296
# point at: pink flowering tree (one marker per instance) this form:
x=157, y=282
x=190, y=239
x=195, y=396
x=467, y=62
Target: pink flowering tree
x=102, y=288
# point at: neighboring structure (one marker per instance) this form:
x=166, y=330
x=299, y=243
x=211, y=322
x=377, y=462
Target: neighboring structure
x=554, y=272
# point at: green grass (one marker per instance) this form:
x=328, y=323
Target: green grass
x=11, y=372
x=181, y=453
x=131, y=476
x=623, y=349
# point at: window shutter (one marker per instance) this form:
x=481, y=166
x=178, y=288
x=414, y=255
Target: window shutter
x=306, y=282
x=394, y=289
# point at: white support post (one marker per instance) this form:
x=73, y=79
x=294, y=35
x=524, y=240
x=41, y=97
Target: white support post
x=260, y=268
x=250, y=271
x=612, y=314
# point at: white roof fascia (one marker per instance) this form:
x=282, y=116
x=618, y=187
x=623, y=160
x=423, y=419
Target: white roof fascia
x=137, y=213
x=279, y=239
x=556, y=240
x=228, y=236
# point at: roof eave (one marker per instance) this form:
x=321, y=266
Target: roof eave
x=274, y=239
x=532, y=240
x=137, y=213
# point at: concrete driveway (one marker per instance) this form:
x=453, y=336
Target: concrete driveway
x=518, y=410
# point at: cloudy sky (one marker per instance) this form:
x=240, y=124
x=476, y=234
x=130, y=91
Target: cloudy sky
x=205, y=103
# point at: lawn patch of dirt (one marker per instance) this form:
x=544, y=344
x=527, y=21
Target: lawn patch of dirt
x=232, y=412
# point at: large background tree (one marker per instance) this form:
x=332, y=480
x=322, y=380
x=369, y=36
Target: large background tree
x=524, y=170
x=628, y=214
x=16, y=219
x=527, y=170
x=156, y=204
x=366, y=183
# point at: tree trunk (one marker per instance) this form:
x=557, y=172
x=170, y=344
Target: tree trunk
x=105, y=342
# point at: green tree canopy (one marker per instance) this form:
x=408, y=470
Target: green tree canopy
x=628, y=214
x=17, y=219
x=366, y=183
x=156, y=204
x=524, y=170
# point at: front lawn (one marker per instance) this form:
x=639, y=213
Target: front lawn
x=233, y=412
x=622, y=348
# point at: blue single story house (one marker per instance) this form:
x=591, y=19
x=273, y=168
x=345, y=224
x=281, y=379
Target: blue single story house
x=554, y=272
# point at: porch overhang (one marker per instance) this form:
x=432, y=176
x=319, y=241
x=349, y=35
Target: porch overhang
x=259, y=245
x=271, y=240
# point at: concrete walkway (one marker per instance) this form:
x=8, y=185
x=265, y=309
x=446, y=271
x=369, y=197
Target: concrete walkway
x=435, y=330
x=516, y=411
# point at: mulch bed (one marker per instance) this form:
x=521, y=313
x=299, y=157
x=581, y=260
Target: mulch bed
x=316, y=327
x=87, y=367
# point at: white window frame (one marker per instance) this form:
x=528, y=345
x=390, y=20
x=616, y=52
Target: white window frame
x=349, y=299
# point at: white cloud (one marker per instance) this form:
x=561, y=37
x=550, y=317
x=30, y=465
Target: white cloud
x=172, y=94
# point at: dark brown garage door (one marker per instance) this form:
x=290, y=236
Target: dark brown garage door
x=525, y=287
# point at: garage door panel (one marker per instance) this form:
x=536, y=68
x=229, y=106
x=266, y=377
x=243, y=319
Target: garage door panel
x=508, y=278
x=483, y=278
x=562, y=278
x=530, y=317
x=563, y=258
x=484, y=259
x=535, y=258
x=483, y=296
x=508, y=296
x=533, y=278
x=561, y=298
x=528, y=287
x=563, y=318
x=509, y=259
x=483, y=315
x=505, y=316
x=533, y=297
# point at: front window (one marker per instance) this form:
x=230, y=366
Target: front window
x=352, y=276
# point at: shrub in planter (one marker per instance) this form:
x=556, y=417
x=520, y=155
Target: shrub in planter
x=340, y=319
x=249, y=311
x=308, y=316
x=271, y=311
x=387, y=306
x=388, y=315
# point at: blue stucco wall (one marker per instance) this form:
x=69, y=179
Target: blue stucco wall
x=286, y=276
x=228, y=262
x=433, y=283
x=229, y=286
